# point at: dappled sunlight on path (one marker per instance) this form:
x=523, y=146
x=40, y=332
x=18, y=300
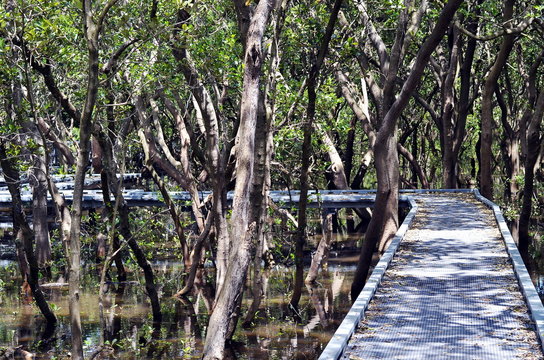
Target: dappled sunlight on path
x=450, y=292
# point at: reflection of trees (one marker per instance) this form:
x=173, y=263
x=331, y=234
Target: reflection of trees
x=323, y=302
x=186, y=316
x=111, y=324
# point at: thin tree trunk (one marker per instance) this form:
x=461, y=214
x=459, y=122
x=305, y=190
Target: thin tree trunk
x=322, y=249
x=449, y=161
x=39, y=210
x=24, y=235
x=303, y=198
x=216, y=159
x=533, y=146
x=306, y=150
x=416, y=169
x=124, y=228
x=92, y=31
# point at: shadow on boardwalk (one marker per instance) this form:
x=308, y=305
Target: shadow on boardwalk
x=450, y=292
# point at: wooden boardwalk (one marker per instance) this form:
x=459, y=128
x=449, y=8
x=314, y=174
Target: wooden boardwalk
x=451, y=291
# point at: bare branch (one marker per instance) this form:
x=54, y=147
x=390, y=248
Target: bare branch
x=112, y=62
x=413, y=26
x=519, y=28
x=104, y=12
x=375, y=38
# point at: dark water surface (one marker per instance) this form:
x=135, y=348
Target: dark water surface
x=278, y=332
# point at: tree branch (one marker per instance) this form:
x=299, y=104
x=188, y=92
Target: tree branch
x=519, y=28
x=421, y=60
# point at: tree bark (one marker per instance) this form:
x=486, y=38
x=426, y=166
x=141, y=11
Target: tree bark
x=306, y=150
x=124, y=227
x=243, y=214
x=91, y=31
x=449, y=161
x=216, y=158
x=534, y=140
x=24, y=234
x=486, y=154
x=384, y=222
x=322, y=250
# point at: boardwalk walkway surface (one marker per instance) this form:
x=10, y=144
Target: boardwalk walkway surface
x=449, y=292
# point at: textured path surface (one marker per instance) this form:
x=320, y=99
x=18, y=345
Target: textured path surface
x=450, y=292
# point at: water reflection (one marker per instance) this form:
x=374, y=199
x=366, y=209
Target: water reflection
x=274, y=333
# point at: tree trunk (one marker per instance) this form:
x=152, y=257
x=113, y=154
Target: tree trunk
x=384, y=222
x=24, y=234
x=243, y=213
x=449, y=161
x=533, y=146
x=216, y=159
x=486, y=155
x=303, y=198
x=465, y=102
x=91, y=32
x=336, y=170
x=124, y=227
x=322, y=249
x=306, y=150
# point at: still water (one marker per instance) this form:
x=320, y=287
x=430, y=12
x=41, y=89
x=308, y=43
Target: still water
x=277, y=332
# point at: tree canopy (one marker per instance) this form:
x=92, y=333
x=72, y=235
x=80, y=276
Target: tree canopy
x=248, y=96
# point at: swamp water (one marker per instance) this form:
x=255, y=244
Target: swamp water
x=277, y=332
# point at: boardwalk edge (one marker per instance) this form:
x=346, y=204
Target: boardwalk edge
x=527, y=288
x=336, y=345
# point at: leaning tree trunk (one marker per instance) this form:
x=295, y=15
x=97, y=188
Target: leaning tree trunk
x=124, y=227
x=384, y=221
x=322, y=252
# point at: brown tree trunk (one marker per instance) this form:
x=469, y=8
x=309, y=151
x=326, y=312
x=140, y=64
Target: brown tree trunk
x=24, y=235
x=303, y=198
x=245, y=191
x=124, y=228
x=533, y=145
x=38, y=183
x=306, y=151
x=486, y=154
x=39, y=212
x=465, y=77
x=91, y=31
x=384, y=222
x=449, y=161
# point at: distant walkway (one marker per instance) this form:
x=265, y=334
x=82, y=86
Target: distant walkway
x=449, y=293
